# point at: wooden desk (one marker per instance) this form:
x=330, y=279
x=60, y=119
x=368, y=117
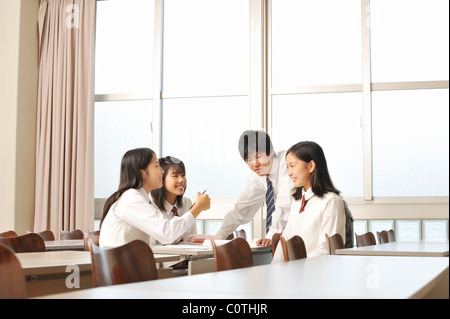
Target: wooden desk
x=200, y=257
x=73, y=244
x=320, y=277
x=424, y=249
x=52, y=271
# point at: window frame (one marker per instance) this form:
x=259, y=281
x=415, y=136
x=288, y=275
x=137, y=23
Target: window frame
x=260, y=97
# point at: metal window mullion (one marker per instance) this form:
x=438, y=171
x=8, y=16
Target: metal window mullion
x=158, y=77
x=257, y=84
x=367, y=102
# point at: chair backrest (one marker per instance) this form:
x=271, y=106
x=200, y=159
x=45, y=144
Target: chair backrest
x=334, y=242
x=131, y=262
x=383, y=237
x=31, y=242
x=275, y=240
x=367, y=239
x=12, y=278
x=72, y=234
x=240, y=233
x=233, y=255
x=88, y=239
x=391, y=235
x=293, y=248
x=94, y=232
x=47, y=235
x=7, y=234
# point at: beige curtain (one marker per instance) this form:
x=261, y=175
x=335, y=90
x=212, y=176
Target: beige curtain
x=64, y=139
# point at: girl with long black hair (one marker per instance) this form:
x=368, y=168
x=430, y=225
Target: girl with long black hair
x=128, y=214
x=317, y=208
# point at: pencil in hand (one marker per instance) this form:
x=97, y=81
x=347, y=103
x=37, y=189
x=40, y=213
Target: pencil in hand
x=194, y=202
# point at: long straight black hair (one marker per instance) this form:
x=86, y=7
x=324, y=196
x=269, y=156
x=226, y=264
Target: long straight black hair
x=320, y=180
x=159, y=194
x=130, y=174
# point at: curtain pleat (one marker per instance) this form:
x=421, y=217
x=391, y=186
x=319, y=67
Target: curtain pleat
x=64, y=142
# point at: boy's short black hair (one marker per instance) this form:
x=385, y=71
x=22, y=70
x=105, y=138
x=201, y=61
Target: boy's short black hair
x=254, y=141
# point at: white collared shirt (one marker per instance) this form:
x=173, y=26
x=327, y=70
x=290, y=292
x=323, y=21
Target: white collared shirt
x=186, y=205
x=321, y=216
x=254, y=195
x=133, y=217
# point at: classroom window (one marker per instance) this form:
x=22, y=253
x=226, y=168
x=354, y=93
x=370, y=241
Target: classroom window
x=410, y=40
x=205, y=105
x=119, y=127
x=411, y=143
x=313, y=45
x=124, y=46
x=407, y=230
x=435, y=229
x=123, y=86
x=203, y=133
x=333, y=120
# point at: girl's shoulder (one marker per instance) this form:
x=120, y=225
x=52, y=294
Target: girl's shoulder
x=134, y=194
x=331, y=196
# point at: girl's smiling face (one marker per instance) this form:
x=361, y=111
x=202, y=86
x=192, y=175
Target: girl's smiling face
x=175, y=181
x=299, y=171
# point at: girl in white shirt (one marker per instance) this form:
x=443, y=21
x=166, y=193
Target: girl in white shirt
x=169, y=198
x=128, y=214
x=317, y=208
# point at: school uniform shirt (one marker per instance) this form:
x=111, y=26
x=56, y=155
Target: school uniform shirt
x=321, y=216
x=132, y=217
x=254, y=195
x=168, y=214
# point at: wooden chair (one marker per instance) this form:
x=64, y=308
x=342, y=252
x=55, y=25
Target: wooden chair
x=88, y=239
x=94, y=232
x=233, y=255
x=334, y=242
x=275, y=240
x=383, y=237
x=128, y=263
x=12, y=278
x=24, y=244
x=294, y=248
x=240, y=233
x=73, y=234
x=391, y=235
x=367, y=239
x=7, y=234
x=47, y=235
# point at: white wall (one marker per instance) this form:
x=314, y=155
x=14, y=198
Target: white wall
x=18, y=94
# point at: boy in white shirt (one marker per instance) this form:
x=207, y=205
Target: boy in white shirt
x=267, y=182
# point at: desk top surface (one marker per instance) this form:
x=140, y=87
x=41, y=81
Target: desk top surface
x=62, y=258
x=194, y=249
x=423, y=248
x=319, y=277
x=69, y=244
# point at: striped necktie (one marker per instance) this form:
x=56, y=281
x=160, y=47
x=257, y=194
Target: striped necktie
x=270, y=201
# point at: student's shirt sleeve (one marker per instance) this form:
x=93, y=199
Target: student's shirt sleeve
x=244, y=209
x=333, y=222
x=138, y=212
